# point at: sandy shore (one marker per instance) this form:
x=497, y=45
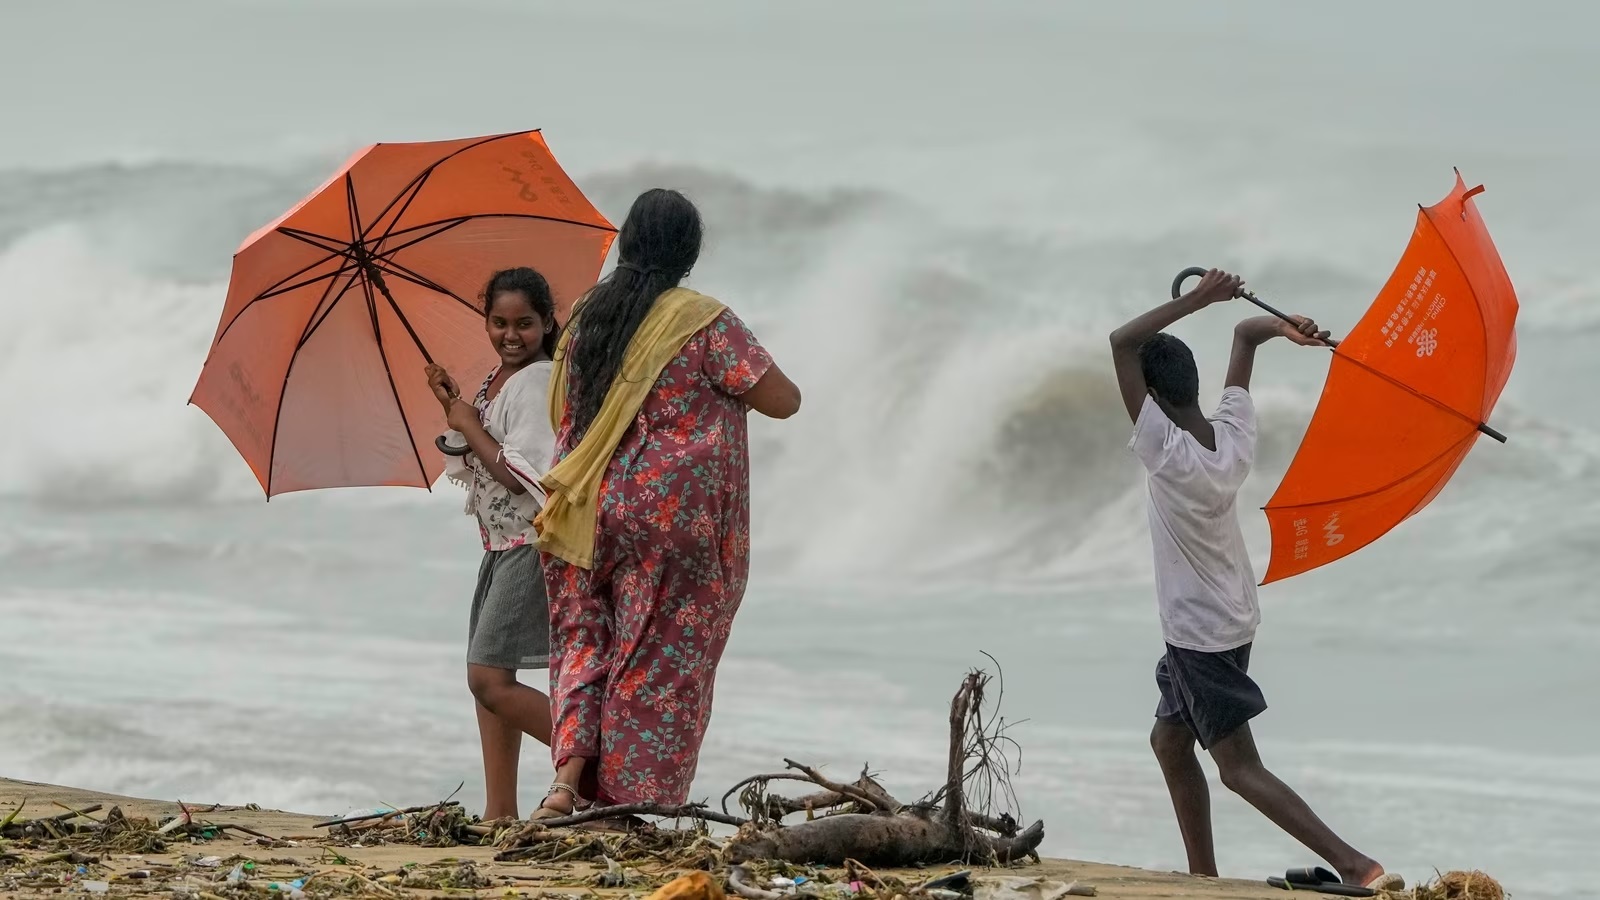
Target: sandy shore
x=378, y=871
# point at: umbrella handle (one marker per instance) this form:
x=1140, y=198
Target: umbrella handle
x=445, y=446
x=1186, y=274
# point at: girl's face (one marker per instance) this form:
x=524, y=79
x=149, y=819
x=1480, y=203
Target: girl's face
x=515, y=330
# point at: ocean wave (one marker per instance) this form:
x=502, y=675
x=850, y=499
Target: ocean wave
x=955, y=377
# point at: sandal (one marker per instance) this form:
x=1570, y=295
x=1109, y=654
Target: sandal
x=546, y=812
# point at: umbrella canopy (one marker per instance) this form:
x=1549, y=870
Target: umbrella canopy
x=316, y=370
x=1408, y=393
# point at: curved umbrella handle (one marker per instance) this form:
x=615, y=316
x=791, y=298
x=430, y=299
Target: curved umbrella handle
x=1186, y=274
x=448, y=449
x=445, y=446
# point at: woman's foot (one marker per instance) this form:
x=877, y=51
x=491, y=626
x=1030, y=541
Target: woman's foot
x=561, y=801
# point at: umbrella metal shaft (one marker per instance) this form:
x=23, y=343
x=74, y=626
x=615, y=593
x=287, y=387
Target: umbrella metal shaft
x=1186, y=274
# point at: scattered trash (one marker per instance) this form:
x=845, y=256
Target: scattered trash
x=237, y=875
x=1029, y=889
x=96, y=887
x=208, y=862
x=960, y=882
x=692, y=886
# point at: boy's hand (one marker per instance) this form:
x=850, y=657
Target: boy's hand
x=1302, y=330
x=1216, y=286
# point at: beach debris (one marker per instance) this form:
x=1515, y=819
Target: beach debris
x=1458, y=885
x=862, y=822
x=689, y=886
x=1029, y=889
x=56, y=826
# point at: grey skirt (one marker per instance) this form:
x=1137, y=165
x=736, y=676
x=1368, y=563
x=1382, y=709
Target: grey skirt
x=510, y=625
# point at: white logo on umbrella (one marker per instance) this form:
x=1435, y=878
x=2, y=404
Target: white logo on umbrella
x=1330, y=531
x=1427, y=341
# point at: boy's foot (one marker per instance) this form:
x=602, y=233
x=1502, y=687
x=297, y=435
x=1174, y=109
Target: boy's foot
x=1370, y=874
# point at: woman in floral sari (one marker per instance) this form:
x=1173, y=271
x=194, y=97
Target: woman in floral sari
x=647, y=534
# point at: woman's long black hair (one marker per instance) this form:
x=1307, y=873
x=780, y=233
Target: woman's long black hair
x=529, y=283
x=659, y=244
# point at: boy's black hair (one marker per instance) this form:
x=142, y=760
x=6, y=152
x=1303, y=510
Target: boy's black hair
x=1169, y=370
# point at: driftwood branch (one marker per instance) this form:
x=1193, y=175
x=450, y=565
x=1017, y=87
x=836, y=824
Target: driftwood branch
x=844, y=790
x=949, y=825
x=386, y=815
x=762, y=780
x=956, y=764
x=660, y=810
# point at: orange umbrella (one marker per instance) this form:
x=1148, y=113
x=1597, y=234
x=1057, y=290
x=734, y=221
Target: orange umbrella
x=316, y=370
x=1408, y=393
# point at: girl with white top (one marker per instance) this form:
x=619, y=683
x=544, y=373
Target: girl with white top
x=509, y=446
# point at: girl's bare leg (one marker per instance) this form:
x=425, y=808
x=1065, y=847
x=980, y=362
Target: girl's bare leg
x=502, y=747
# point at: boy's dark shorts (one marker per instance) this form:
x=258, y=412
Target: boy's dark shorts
x=1211, y=693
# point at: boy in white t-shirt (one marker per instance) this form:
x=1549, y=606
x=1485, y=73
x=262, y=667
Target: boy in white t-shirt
x=1205, y=587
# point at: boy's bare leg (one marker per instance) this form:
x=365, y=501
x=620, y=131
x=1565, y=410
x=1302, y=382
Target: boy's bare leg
x=502, y=747
x=1243, y=773
x=1191, y=797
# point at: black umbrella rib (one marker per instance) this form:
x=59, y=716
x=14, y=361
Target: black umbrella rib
x=415, y=185
x=391, y=267
x=305, y=335
x=394, y=390
x=351, y=206
x=444, y=225
x=556, y=219
x=414, y=190
x=406, y=323
x=281, y=288
x=332, y=276
x=320, y=241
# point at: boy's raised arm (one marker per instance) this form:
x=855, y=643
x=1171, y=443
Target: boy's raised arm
x=1253, y=332
x=1215, y=287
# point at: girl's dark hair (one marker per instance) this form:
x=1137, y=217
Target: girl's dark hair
x=529, y=283
x=658, y=245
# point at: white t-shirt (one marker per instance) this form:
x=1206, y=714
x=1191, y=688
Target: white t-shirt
x=1205, y=588
x=519, y=419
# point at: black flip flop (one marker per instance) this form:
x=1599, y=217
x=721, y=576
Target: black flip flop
x=1321, y=881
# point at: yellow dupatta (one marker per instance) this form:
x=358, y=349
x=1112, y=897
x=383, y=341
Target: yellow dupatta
x=566, y=525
